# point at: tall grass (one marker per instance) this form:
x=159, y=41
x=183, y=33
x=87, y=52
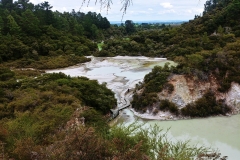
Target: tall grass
x=153, y=143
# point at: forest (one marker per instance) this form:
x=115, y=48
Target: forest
x=35, y=36
x=41, y=115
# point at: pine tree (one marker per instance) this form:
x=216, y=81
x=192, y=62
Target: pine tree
x=14, y=28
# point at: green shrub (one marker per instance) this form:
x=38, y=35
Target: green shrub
x=6, y=74
x=144, y=100
x=166, y=105
x=95, y=119
x=169, y=87
x=205, y=106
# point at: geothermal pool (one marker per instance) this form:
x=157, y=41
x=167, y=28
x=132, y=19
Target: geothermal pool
x=123, y=73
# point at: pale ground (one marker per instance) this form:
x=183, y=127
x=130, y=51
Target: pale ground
x=122, y=73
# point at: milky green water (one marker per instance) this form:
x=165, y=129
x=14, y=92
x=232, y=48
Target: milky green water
x=121, y=73
x=221, y=133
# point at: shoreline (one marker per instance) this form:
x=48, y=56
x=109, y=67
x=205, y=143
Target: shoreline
x=167, y=116
x=147, y=116
x=125, y=84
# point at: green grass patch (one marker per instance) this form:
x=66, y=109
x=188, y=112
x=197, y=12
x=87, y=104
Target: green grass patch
x=100, y=45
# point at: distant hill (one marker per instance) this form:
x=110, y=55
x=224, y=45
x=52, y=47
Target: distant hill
x=152, y=22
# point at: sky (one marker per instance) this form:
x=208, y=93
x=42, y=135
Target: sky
x=139, y=10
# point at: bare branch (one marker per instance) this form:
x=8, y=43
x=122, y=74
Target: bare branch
x=126, y=4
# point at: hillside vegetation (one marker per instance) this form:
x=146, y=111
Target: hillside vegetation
x=207, y=46
x=35, y=36
x=54, y=116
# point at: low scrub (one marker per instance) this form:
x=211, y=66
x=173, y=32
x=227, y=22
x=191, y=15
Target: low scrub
x=121, y=142
x=50, y=62
x=205, y=106
x=166, y=105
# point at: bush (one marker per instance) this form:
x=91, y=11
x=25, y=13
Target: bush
x=155, y=111
x=166, y=105
x=95, y=119
x=144, y=100
x=237, y=33
x=169, y=87
x=6, y=74
x=205, y=106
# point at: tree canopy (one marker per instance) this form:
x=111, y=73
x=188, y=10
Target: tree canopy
x=32, y=32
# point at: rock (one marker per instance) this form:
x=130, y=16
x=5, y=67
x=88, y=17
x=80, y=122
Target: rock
x=233, y=96
x=178, y=101
x=188, y=90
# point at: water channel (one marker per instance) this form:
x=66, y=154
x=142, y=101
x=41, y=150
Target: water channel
x=123, y=73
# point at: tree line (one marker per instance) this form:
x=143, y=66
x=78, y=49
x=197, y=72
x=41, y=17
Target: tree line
x=31, y=32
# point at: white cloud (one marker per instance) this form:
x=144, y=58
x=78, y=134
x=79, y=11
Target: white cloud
x=166, y=5
x=167, y=11
x=138, y=11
